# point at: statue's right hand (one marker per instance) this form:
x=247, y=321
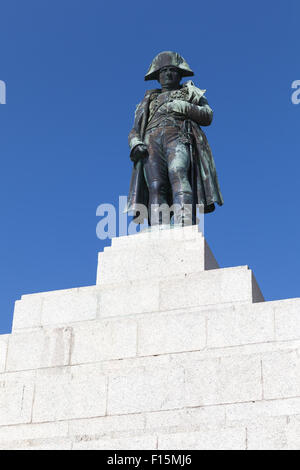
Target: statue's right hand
x=139, y=152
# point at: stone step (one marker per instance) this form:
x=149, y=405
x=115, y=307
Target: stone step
x=158, y=236
x=151, y=334
x=255, y=373
x=167, y=351
x=273, y=424
x=213, y=287
x=159, y=263
x=155, y=255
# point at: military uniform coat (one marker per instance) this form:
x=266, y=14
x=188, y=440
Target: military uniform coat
x=195, y=106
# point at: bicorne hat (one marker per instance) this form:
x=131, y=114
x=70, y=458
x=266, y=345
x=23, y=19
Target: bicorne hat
x=165, y=59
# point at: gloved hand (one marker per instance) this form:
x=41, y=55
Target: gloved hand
x=139, y=152
x=178, y=106
x=201, y=114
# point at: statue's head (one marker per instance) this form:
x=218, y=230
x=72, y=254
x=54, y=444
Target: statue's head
x=168, y=66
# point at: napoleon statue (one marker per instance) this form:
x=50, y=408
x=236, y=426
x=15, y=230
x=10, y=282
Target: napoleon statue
x=174, y=170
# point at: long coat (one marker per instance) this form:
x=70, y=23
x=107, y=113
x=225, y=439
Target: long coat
x=207, y=186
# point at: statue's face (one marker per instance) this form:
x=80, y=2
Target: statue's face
x=169, y=76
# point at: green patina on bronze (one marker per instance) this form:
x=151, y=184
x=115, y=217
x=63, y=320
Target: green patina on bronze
x=167, y=129
x=165, y=59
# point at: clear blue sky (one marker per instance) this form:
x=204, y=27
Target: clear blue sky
x=74, y=73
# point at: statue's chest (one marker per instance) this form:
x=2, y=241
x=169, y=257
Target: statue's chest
x=157, y=100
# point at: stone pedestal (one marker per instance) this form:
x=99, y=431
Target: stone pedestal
x=166, y=351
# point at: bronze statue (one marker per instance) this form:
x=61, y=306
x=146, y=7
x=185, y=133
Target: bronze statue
x=173, y=163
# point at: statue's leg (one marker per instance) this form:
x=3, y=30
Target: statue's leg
x=178, y=169
x=156, y=176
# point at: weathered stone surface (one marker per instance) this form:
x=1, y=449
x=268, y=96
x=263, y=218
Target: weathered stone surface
x=223, y=380
x=171, y=333
x=16, y=398
x=28, y=311
x=268, y=435
x=70, y=392
x=94, y=428
x=34, y=431
x=3, y=351
x=293, y=433
x=155, y=255
x=129, y=298
x=148, y=263
x=140, y=443
x=218, y=439
x=104, y=340
x=287, y=319
x=242, y=324
x=253, y=412
x=281, y=374
x=154, y=259
x=218, y=286
x=37, y=444
x=148, y=237
x=56, y=308
x=171, y=356
x=145, y=390
x=69, y=307
x=186, y=419
x=39, y=348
